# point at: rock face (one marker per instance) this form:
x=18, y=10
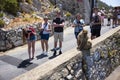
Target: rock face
x=28, y=8
x=104, y=58
x=75, y=6
x=25, y=7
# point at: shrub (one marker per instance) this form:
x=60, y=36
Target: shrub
x=68, y=14
x=1, y=15
x=26, y=19
x=11, y=6
x=29, y=1
x=2, y=3
x=2, y=23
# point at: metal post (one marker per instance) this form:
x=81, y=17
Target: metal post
x=92, y=6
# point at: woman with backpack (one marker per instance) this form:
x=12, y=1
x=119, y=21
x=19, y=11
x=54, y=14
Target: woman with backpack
x=30, y=35
x=78, y=25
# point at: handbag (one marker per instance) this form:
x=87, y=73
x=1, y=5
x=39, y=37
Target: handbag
x=41, y=31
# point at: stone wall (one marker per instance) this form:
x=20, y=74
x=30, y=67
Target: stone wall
x=104, y=58
x=13, y=37
x=95, y=64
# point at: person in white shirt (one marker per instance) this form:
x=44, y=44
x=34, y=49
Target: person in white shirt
x=45, y=28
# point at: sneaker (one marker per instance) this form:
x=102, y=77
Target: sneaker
x=54, y=54
x=45, y=53
x=60, y=52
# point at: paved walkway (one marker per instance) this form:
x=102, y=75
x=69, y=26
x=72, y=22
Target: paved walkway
x=15, y=61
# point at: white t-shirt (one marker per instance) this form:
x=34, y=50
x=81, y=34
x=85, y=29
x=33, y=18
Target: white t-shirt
x=45, y=27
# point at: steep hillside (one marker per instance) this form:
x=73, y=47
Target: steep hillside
x=102, y=4
x=15, y=12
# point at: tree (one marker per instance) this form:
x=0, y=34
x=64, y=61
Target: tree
x=11, y=6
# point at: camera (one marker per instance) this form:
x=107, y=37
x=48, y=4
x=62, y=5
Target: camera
x=29, y=31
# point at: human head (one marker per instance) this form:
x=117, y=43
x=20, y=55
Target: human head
x=78, y=16
x=95, y=10
x=58, y=14
x=45, y=18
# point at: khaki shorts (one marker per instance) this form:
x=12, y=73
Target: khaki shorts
x=58, y=36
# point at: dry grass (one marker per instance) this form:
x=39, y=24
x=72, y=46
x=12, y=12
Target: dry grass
x=23, y=21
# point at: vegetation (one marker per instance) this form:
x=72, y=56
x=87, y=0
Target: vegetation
x=29, y=1
x=68, y=14
x=10, y=6
x=2, y=23
x=1, y=15
x=102, y=4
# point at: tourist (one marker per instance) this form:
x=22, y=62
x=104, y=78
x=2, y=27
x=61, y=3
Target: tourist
x=102, y=19
x=118, y=16
x=30, y=35
x=115, y=13
x=109, y=15
x=45, y=28
x=58, y=25
x=96, y=25
x=78, y=24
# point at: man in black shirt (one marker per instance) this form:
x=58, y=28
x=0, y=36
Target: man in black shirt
x=96, y=25
x=58, y=25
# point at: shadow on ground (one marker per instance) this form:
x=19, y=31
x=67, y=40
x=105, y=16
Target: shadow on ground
x=41, y=56
x=25, y=63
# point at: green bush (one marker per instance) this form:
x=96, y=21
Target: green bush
x=2, y=4
x=68, y=14
x=10, y=6
x=2, y=23
x=1, y=15
x=29, y=1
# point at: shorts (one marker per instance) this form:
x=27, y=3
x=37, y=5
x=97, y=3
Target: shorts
x=58, y=36
x=76, y=34
x=44, y=37
x=108, y=19
x=95, y=32
x=32, y=38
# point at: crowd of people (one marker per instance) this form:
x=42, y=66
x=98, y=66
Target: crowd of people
x=58, y=25
x=112, y=16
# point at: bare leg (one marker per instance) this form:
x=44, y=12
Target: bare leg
x=60, y=44
x=42, y=44
x=55, y=44
x=46, y=44
x=29, y=49
x=33, y=48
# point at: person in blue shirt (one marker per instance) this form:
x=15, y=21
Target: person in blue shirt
x=78, y=24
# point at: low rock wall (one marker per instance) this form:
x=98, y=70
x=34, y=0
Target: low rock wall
x=14, y=37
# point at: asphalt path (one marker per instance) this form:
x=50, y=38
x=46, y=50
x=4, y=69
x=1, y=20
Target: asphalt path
x=15, y=62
